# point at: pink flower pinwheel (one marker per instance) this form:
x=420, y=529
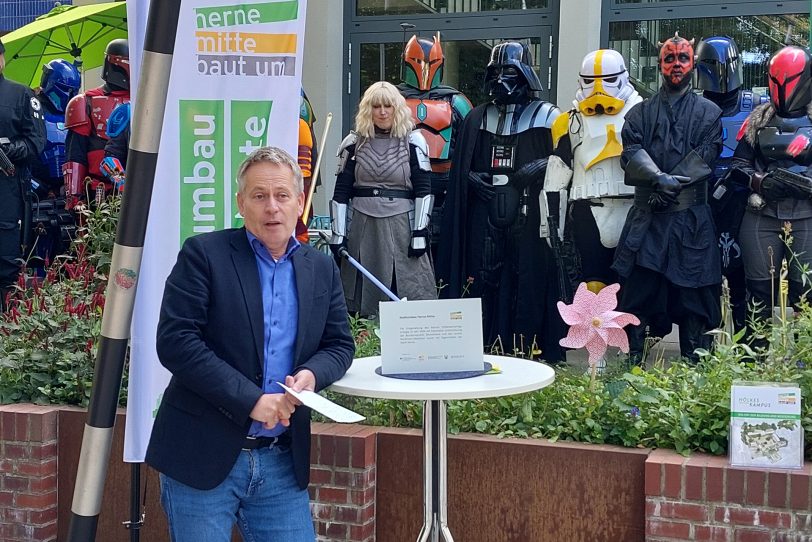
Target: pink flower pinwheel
x=594, y=322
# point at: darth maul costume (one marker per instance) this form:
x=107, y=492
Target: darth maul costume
x=774, y=144
x=86, y=119
x=437, y=110
x=667, y=255
x=492, y=245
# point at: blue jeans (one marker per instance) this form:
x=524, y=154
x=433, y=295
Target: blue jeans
x=260, y=494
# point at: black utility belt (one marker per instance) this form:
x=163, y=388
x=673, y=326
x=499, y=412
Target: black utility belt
x=381, y=193
x=255, y=443
x=690, y=196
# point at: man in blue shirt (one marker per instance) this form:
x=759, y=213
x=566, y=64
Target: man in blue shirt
x=243, y=310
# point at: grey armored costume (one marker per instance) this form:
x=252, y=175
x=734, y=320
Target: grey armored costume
x=384, y=178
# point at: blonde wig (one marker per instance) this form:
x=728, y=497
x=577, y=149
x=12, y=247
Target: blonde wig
x=386, y=94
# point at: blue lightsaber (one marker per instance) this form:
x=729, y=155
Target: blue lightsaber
x=372, y=278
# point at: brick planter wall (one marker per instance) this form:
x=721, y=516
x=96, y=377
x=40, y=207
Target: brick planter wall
x=28, y=473
x=342, y=482
x=701, y=498
x=696, y=498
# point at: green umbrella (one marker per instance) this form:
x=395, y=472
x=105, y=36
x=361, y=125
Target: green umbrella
x=63, y=32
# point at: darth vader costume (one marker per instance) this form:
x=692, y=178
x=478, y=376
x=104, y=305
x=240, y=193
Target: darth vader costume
x=493, y=243
x=667, y=255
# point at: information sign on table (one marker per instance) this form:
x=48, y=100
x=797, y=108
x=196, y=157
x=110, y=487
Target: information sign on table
x=431, y=336
x=765, y=425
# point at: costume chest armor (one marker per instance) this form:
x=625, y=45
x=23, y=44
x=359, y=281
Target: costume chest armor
x=785, y=139
x=100, y=108
x=597, y=146
x=732, y=124
x=53, y=156
x=433, y=119
x=512, y=119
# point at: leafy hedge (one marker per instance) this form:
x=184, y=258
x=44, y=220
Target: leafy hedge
x=677, y=405
x=49, y=335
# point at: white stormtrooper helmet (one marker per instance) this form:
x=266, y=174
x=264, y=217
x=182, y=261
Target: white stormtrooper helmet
x=603, y=83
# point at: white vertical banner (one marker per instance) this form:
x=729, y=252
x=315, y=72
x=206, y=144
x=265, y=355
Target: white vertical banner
x=235, y=86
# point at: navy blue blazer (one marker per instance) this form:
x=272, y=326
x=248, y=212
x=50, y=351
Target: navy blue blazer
x=210, y=337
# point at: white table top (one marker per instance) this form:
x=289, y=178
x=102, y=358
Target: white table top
x=517, y=376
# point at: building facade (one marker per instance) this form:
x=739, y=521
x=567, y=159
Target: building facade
x=354, y=43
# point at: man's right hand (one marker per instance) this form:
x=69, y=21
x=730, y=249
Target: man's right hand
x=273, y=408
x=481, y=185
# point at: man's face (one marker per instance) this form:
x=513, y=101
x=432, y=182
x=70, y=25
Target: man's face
x=2, y=62
x=676, y=62
x=270, y=204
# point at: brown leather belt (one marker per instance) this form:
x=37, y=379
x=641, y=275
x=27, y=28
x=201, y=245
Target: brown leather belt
x=255, y=443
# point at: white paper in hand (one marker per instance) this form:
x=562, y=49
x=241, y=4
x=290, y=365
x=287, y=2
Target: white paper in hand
x=335, y=412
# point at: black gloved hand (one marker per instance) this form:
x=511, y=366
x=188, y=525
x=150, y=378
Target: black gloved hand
x=529, y=174
x=424, y=246
x=336, y=248
x=16, y=150
x=767, y=186
x=666, y=190
x=481, y=185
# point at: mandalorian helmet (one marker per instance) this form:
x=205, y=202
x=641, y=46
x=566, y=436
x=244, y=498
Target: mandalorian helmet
x=509, y=77
x=790, y=81
x=59, y=83
x=603, y=83
x=423, y=60
x=718, y=65
x=116, y=71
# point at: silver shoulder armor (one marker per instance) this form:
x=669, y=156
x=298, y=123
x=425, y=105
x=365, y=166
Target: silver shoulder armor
x=422, y=148
x=343, y=153
x=537, y=114
x=514, y=119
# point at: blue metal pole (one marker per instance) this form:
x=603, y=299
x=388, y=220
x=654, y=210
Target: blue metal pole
x=159, y=45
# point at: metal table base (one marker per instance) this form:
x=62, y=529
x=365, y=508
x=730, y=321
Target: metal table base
x=435, y=474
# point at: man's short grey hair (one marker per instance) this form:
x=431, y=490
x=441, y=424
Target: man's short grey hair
x=272, y=155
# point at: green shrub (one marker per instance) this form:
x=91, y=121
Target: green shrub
x=676, y=405
x=49, y=335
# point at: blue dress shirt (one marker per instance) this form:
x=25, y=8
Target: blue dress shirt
x=280, y=315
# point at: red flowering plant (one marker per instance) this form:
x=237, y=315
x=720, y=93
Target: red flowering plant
x=49, y=334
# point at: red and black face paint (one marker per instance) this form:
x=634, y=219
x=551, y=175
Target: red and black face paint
x=677, y=61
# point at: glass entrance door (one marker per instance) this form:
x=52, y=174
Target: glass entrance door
x=376, y=57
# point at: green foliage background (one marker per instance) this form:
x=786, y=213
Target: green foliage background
x=675, y=405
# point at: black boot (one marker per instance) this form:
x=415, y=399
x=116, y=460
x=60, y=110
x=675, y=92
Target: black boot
x=692, y=335
x=637, y=344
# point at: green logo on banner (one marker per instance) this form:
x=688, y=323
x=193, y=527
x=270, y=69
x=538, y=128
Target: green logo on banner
x=250, y=122
x=202, y=166
x=246, y=14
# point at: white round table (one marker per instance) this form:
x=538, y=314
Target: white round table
x=517, y=376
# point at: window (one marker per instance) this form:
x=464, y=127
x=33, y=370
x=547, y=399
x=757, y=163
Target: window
x=464, y=68
x=427, y=7
x=758, y=37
